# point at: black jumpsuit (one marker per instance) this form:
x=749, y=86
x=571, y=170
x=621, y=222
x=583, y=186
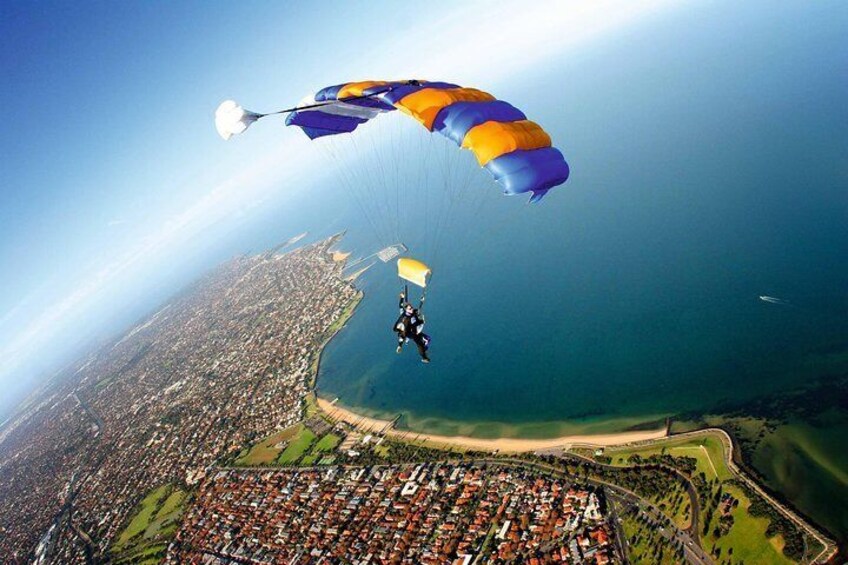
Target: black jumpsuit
x=412, y=327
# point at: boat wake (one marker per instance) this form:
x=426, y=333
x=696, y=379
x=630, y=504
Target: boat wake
x=773, y=300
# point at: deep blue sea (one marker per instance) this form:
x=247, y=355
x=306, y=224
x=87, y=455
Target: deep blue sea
x=709, y=167
x=709, y=159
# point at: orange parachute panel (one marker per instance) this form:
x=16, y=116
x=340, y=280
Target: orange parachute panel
x=426, y=103
x=356, y=88
x=490, y=140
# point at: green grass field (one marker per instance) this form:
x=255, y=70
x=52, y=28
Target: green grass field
x=327, y=443
x=297, y=446
x=747, y=537
x=300, y=447
x=746, y=540
x=310, y=406
x=151, y=526
x=319, y=449
x=707, y=450
x=264, y=452
x=675, y=505
x=143, y=516
x=149, y=555
x=346, y=314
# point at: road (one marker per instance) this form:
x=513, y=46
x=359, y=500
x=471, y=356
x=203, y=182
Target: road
x=691, y=551
x=694, y=503
x=829, y=545
x=621, y=542
x=98, y=421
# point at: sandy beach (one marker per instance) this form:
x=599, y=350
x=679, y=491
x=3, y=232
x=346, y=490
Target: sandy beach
x=512, y=445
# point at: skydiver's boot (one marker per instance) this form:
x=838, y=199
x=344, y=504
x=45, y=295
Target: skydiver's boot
x=425, y=359
x=399, y=348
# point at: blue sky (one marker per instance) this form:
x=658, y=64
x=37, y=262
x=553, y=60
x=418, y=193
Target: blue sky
x=113, y=173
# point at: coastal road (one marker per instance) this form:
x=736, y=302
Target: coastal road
x=829, y=545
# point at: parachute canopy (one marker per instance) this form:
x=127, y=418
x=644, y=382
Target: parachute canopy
x=231, y=119
x=413, y=271
x=516, y=151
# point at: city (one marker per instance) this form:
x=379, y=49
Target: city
x=425, y=513
x=236, y=459
x=225, y=363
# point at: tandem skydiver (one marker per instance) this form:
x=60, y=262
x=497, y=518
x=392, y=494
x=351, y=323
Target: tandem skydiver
x=410, y=325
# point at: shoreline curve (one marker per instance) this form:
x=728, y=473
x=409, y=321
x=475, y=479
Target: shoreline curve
x=510, y=445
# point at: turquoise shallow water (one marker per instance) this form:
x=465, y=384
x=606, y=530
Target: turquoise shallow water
x=709, y=166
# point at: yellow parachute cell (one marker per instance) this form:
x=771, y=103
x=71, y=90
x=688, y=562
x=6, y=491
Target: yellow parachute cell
x=413, y=271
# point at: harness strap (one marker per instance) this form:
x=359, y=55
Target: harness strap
x=421, y=303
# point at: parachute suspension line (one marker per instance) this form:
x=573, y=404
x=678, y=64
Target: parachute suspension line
x=396, y=182
x=451, y=161
x=508, y=224
x=354, y=163
x=383, y=188
x=469, y=192
x=426, y=189
x=444, y=167
x=401, y=143
x=372, y=184
x=330, y=148
x=365, y=183
x=427, y=145
x=353, y=189
x=390, y=155
x=447, y=209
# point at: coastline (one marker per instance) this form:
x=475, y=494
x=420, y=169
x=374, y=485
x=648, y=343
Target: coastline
x=501, y=441
x=335, y=328
x=503, y=444
x=644, y=438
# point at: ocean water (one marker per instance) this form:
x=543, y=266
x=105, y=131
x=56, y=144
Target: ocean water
x=709, y=166
x=709, y=157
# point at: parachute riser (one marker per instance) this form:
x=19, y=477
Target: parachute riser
x=330, y=102
x=420, y=302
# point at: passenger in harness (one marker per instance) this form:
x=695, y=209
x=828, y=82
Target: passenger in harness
x=410, y=325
